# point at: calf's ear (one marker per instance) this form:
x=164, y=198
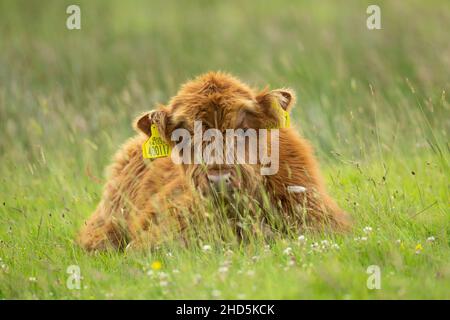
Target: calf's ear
x=284, y=97
x=142, y=123
x=157, y=117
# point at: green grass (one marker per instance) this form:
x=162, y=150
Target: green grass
x=373, y=103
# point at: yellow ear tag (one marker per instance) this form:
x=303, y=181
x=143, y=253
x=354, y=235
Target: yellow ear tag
x=155, y=146
x=285, y=118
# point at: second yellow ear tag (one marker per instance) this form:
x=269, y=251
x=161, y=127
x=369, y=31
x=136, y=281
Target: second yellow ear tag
x=155, y=146
x=285, y=119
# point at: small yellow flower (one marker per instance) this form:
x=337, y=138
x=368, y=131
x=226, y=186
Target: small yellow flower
x=156, y=265
x=419, y=248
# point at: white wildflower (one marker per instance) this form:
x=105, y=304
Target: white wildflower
x=325, y=243
x=367, y=230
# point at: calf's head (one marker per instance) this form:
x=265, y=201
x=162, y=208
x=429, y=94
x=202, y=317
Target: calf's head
x=215, y=110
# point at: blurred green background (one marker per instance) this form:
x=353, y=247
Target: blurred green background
x=374, y=103
x=359, y=90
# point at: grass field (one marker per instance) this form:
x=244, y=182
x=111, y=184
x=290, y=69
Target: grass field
x=375, y=104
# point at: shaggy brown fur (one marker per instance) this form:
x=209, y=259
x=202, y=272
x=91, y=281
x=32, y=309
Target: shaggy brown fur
x=142, y=199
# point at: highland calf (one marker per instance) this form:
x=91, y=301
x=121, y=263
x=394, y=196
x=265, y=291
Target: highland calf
x=145, y=201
